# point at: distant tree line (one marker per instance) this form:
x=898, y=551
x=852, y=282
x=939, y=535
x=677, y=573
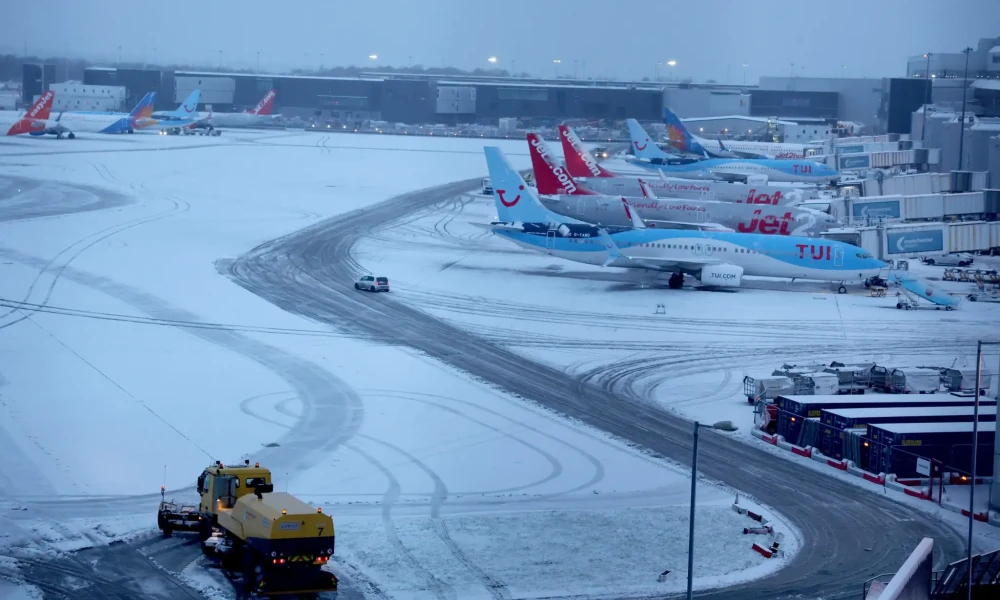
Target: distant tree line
x=11, y=69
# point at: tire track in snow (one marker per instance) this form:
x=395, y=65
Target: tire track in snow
x=440, y=589
x=74, y=250
x=495, y=588
x=332, y=411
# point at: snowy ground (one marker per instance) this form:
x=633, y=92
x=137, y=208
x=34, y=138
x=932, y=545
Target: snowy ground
x=127, y=362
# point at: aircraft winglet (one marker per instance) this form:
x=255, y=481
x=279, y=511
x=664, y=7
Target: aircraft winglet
x=633, y=216
x=612, y=248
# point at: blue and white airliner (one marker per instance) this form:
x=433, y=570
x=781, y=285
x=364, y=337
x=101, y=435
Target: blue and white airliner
x=72, y=122
x=715, y=258
x=650, y=156
x=184, y=115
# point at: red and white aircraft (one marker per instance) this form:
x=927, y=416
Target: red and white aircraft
x=34, y=121
x=252, y=117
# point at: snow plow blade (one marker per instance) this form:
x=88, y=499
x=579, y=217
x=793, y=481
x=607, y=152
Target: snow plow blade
x=177, y=517
x=291, y=582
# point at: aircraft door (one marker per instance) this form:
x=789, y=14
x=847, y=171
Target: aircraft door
x=581, y=206
x=838, y=257
x=699, y=249
x=550, y=239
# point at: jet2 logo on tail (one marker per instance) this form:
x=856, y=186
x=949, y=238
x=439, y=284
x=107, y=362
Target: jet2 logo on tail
x=577, y=145
x=500, y=194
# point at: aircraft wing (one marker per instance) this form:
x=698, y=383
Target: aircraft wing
x=617, y=259
x=662, y=264
x=707, y=226
x=730, y=177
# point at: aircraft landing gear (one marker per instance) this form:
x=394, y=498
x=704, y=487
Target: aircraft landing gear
x=842, y=289
x=71, y=135
x=676, y=281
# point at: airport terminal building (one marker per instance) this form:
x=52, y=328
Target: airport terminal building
x=421, y=98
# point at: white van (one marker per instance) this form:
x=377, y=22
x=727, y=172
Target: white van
x=960, y=259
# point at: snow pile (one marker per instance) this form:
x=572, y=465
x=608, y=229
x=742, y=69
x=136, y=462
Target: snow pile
x=594, y=553
x=37, y=536
x=211, y=584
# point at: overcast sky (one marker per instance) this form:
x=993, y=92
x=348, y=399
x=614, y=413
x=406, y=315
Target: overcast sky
x=624, y=38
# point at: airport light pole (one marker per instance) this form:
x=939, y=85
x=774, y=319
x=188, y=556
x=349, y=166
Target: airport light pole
x=721, y=426
x=975, y=451
x=961, y=128
x=258, y=61
x=927, y=100
x=745, y=65
x=557, y=62
x=671, y=63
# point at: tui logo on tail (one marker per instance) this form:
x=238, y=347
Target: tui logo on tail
x=503, y=201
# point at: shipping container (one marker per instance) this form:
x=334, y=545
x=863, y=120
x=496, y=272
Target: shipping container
x=968, y=203
x=835, y=422
x=923, y=207
x=970, y=236
x=793, y=410
x=895, y=447
x=854, y=446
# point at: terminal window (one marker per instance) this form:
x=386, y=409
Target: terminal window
x=532, y=94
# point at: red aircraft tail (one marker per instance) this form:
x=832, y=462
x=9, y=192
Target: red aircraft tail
x=42, y=108
x=265, y=105
x=551, y=178
x=579, y=161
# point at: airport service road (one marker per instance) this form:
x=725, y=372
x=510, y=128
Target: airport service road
x=849, y=534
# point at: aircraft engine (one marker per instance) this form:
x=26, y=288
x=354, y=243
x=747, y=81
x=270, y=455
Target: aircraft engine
x=722, y=275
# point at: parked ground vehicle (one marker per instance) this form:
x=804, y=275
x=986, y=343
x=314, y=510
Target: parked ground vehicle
x=960, y=259
x=371, y=283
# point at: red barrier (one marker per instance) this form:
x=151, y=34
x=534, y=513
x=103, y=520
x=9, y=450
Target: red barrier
x=754, y=516
x=770, y=439
x=837, y=464
x=762, y=551
x=806, y=452
x=921, y=494
x=984, y=517
x=873, y=478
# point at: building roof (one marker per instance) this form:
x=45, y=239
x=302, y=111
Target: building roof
x=960, y=427
x=740, y=117
x=540, y=85
x=273, y=76
x=994, y=49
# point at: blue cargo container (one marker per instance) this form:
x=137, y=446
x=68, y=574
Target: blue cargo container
x=835, y=421
x=793, y=410
x=895, y=447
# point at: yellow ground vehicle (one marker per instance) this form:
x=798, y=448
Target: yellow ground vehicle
x=274, y=541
